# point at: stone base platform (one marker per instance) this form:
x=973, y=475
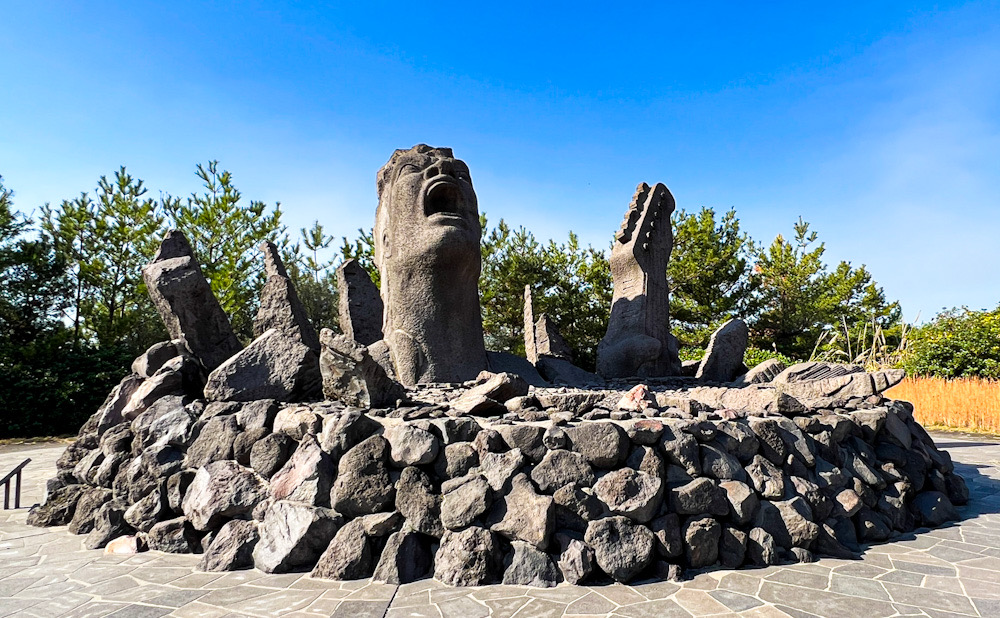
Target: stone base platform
x=646, y=487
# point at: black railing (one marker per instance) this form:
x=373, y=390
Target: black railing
x=14, y=475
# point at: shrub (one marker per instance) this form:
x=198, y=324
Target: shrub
x=958, y=342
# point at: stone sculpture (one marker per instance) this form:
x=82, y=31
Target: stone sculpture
x=427, y=234
x=490, y=480
x=360, y=304
x=185, y=302
x=541, y=337
x=280, y=306
x=638, y=341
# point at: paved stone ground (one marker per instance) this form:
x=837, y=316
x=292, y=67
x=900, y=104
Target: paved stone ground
x=952, y=571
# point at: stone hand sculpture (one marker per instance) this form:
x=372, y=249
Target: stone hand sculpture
x=427, y=234
x=638, y=341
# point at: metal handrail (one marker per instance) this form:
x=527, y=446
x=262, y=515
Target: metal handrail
x=5, y=481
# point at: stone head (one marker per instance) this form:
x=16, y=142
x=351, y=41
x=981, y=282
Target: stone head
x=427, y=210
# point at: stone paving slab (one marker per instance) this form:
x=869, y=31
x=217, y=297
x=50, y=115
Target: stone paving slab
x=951, y=571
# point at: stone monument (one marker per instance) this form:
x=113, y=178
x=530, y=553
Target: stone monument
x=427, y=235
x=638, y=341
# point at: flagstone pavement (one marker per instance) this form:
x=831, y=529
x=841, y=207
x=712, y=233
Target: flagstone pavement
x=951, y=571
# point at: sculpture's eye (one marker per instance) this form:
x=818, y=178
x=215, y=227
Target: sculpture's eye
x=463, y=175
x=407, y=168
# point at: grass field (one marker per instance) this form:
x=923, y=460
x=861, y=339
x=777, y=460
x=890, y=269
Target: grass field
x=969, y=404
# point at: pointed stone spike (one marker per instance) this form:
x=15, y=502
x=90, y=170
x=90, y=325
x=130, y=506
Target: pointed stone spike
x=280, y=306
x=184, y=299
x=360, y=304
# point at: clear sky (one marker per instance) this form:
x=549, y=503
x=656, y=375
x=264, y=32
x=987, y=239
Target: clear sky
x=878, y=122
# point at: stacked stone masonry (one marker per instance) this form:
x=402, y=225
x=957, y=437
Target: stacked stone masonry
x=558, y=485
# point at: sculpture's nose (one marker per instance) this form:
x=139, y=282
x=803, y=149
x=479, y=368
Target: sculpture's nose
x=444, y=166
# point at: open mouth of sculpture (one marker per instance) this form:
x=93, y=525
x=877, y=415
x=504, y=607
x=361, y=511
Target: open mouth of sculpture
x=444, y=199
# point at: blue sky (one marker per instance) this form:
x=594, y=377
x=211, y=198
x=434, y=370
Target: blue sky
x=879, y=123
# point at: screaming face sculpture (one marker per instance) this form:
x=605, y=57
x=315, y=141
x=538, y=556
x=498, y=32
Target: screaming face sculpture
x=427, y=234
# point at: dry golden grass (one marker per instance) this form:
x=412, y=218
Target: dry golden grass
x=970, y=404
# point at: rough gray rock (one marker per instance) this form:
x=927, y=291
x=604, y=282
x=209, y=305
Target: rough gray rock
x=576, y=561
x=528, y=566
x=457, y=460
x=631, y=493
x=363, y=485
x=561, y=467
x=150, y=361
x=743, y=501
x=666, y=529
x=58, y=508
x=406, y=558
x=184, y=300
x=232, y=547
x=767, y=480
x=411, y=446
x=220, y=490
x=638, y=341
x=259, y=413
x=701, y=495
x=273, y=366
x=270, y=453
x=701, y=541
x=419, y=503
x=718, y=464
x=306, y=477
x=561, y=371
x=280, y=307
x=723, y=359
x=523, y=515
x=214, y=443
x=621, y=547
x=87, y=505
x=499, y=468
x=605, y=445
x=788, y=521
x=761, y=547
x=109, y=524
x=576, y=507
x=146, y=511
x=469, y=557
x=360, y=304
x=732, y=547
x=353, y=376
x=427, y=235
x=933, y=508
x=298, y=422
x=349, y=555
x=681, y=448
x=528, y=438
x=243, y=446
x=294, y=535
x=463, y=504
x=174, y=536
x=762, y=373
x=339, y=434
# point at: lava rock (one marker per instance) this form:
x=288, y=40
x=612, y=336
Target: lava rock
x=523, y=515
x=363, y=485
x=559, y=467
x=294, y=535
x=631, y=493
x=464, y=503
x=410, y=445
x=406, y=558
x=701, y=495
x=349, y=555
x=222, y=490
x=419, y=503
x=306, y=477
x=605, y=445
x=621, y=547
x=701, y=541
x=469, y=557
x=270, y=453
x=232, y=547
x=529, y=566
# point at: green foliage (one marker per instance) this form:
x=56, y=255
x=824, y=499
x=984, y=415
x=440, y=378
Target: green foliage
x=958, y=342
x=711, y=279
x=47, y=385
x=104, y=244
x=569, y=283
x=315, y=279
x=225, y=233
x=802, y=301
x=755, y=356
x=362, y=250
